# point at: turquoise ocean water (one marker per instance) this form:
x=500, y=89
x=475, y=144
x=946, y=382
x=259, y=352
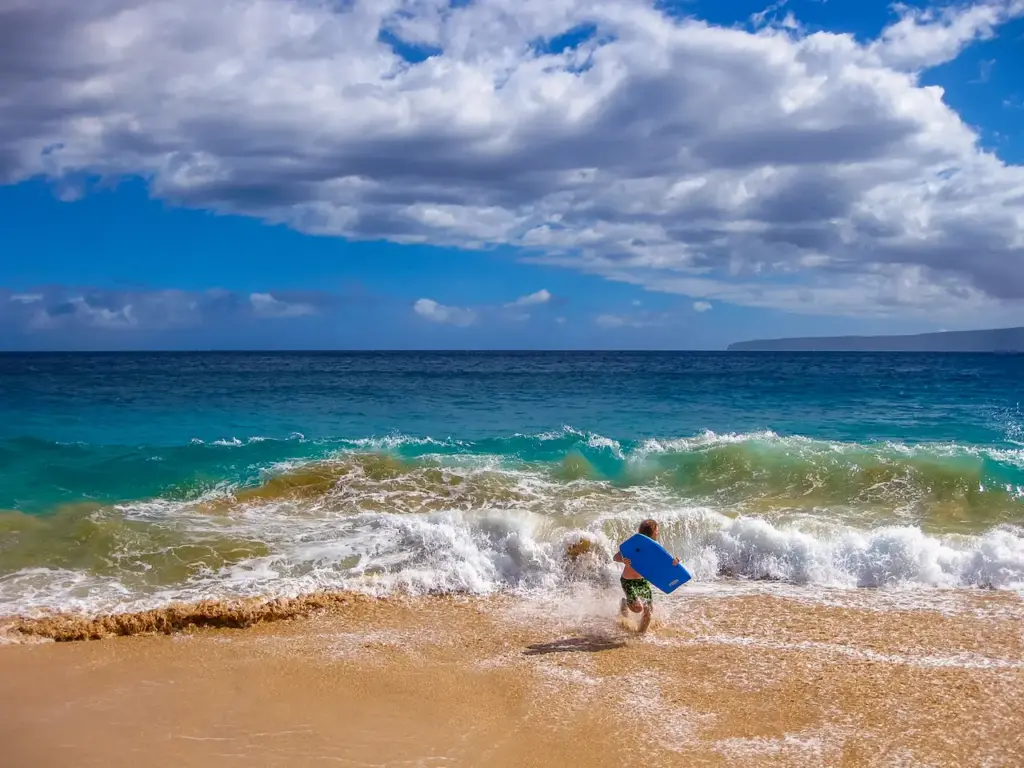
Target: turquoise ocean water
x=129, y=480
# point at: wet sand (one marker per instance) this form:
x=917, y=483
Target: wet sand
x=752, y=679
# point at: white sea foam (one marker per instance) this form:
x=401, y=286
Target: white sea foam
x=483, y=551
x=808, y=446
x=392, y=442
x=485, y=523
x=600, y=441
x=237, y=442
x=965, y=660
x=833, y=555
x=705, y=439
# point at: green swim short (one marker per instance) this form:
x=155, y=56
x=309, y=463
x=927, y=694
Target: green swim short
x=637, y=590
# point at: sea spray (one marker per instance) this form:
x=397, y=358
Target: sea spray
x=491, y=550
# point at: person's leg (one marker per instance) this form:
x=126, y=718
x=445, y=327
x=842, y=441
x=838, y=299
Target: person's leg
x=629, y=590
x=645, y=620
x=647, y=599
x=633, y=589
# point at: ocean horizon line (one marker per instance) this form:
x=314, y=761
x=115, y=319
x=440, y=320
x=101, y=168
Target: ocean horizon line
x=484, y=350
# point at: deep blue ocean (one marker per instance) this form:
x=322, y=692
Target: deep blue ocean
x=129, y=479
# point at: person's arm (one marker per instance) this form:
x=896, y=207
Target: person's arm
x=675, y=562
x=618, y=558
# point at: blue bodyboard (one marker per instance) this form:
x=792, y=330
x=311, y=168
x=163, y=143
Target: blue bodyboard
x=654, y=563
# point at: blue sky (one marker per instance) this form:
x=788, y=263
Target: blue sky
x=500, y=174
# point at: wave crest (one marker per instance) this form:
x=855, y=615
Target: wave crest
x=521, y=513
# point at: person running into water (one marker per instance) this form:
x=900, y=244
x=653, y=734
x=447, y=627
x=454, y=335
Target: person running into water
x=638, y=590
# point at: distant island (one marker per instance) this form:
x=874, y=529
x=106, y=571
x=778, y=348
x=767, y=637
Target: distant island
x=1005, y=340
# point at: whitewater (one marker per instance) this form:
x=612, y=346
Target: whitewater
x=425, y=516
x=132, y=481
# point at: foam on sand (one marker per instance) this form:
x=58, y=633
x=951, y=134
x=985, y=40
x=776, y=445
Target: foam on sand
x=497, y=681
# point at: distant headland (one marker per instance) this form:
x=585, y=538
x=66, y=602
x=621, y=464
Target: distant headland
x=1006, y=340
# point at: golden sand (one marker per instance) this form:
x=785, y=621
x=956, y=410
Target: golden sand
x=748, y=680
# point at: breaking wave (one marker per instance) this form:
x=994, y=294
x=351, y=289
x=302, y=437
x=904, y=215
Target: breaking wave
x=265, y=518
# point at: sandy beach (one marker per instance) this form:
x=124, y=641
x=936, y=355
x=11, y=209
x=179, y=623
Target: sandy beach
x=364, y=363
x=752, y=678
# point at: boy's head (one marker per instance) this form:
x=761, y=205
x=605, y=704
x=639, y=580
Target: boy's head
x=649, y=528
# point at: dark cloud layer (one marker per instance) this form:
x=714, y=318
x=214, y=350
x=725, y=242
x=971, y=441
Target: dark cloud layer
x=59, y=308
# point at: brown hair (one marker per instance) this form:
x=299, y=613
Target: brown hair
x=649, y=528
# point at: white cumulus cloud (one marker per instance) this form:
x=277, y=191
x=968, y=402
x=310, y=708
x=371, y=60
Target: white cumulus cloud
x=701, y=306
x=543, y=296
x=266, y=305
x=773, y=167
x=439, y=313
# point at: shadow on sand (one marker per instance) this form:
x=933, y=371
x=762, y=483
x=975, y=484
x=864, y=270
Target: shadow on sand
x=574, y=645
